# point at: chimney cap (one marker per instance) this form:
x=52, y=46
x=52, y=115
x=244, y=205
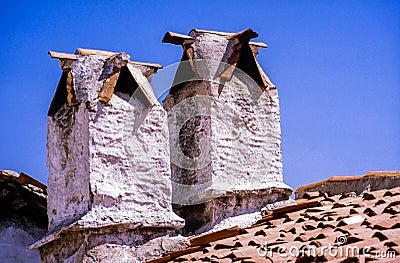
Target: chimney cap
x=88, y=52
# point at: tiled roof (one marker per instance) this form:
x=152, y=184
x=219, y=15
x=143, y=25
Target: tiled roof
x=347, y=224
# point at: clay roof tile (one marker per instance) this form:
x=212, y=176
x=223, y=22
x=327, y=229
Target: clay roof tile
x=356, y=220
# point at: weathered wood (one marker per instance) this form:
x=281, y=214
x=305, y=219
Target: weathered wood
x=71, y=98
x=66, y=64
x=177, y=39
x=144, y=85
x=258, y=44
x=60, y=55
x=231, y=63
x=107, y=90
x=88, y=52
x=244, y=35
x=152, y=65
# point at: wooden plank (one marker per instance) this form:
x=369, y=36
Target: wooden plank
x=258, y=44
x=226, y=75
x=60, y=55
x=152, y=65
x=177, y=39
x=71, y=98
x=244, y=35
x=107, y=90
x=88, y=52
x=66, y=64
x=143, y=84
x=232, y=62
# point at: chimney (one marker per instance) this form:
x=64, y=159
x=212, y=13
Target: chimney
x=109, y=187
x=224, y=125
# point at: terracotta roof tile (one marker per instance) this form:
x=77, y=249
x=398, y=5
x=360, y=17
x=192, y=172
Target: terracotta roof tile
x=209, y=237
x=60, y=55
x=311, y=195
x=368, y=221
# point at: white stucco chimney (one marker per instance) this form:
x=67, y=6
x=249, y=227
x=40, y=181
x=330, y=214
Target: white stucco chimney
x=224, y=124
x=108, y=158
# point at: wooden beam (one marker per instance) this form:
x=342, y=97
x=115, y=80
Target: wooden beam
x=233, y=59
x=258, y=44
x=152, y=65
x=88, y=52
x=244, y=35
x=71, y=98
x=107, y=90
x=177, y=39
x=60, y=55
x=143, y=85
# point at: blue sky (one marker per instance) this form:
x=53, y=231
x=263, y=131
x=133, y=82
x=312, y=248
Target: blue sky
x=336, y=65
